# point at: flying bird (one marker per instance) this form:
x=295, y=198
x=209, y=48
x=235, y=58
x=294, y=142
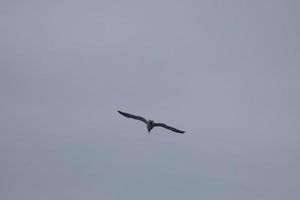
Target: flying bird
x=150, y=123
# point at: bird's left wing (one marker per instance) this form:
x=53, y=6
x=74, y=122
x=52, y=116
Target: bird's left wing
x=168, y=127
x=133, y=116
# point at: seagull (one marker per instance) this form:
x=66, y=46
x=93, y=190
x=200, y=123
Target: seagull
x=150, y=123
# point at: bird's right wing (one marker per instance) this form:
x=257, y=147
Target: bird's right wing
x=133, y=116
x=169, y=127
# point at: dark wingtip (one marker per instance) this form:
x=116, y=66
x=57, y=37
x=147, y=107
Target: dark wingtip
x=119, y=111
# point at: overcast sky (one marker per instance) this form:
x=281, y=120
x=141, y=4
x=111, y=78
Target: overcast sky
x=226, y=72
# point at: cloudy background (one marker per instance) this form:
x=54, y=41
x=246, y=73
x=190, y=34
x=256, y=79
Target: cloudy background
x=227, y=72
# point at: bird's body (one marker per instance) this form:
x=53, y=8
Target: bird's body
x=150, y=123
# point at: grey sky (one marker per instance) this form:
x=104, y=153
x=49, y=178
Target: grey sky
x=227, y=72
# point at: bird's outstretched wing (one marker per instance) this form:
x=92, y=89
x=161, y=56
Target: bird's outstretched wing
x=168, y=127
x=133, y=116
